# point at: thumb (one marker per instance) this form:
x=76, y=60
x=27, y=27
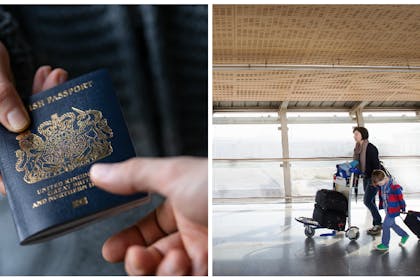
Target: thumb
x=13, y=114
x=135, y=175
x=182, y=180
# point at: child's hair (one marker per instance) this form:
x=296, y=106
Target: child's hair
x=377, y=176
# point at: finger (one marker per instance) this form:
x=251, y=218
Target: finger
x=115, y=247
x=196, y=236
x=142, y=261
x=145, y=261
x=5, y=69
x=156, y=225
x=175, y=263
x=13, y=114
x=2, y=188
x=56, y=77
x=40, y=77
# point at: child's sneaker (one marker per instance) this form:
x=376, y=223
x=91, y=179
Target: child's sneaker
x=403, y=240
x=382, y=247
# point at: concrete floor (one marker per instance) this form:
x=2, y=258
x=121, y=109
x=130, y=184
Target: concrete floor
x=265, y=239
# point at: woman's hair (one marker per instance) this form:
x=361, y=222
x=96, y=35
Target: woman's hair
x=363, y=131
x=377, y=176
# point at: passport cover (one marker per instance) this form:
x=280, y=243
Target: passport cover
x=46, y=168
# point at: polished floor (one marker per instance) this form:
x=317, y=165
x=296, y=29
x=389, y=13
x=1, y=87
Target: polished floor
x=263, y=238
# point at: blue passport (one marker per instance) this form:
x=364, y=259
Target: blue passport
x=46, y=168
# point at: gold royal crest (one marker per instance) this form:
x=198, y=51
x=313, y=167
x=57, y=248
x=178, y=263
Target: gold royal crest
x=65, y=143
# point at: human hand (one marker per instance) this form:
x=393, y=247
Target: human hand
x=13, y=114
x=172, y=240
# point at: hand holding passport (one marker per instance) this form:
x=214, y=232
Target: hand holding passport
x=45, y=168
x=175, y=233
x=45, y=78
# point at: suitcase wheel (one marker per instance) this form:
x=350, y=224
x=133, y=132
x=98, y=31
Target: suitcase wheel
x=353, y=233
x=309, y=231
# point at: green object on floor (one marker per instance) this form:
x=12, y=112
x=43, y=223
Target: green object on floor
x=403, y=240
x=382, y=247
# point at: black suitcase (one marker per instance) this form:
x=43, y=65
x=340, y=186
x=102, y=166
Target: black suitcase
x=412, y=220
x=329, y=218
x=331, y=200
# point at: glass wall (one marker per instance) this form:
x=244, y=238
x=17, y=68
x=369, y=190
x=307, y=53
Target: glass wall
x=247, y=141
x=310, y=176
x=406, y=173
x=321, y=140
x=317, y=142
x=395, y=139
x=333, y=138
x=247, y=179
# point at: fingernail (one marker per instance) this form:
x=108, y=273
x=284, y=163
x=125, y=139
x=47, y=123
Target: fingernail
x=18, y=120
x=62, y=78
x=100, y=171
x=46, y=72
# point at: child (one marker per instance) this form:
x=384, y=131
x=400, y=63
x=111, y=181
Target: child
x=392, y=201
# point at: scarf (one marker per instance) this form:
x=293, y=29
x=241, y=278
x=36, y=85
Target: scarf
x=360, y=154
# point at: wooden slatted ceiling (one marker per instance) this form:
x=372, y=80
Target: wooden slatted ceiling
x=362, y=35
x=275, y=105
x=317, y=34
x=311, y=85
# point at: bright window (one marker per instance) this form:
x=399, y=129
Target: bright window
x=247, y=179
x=395, y=139
x=247, y=141
x=327, y=134
x=321, y=140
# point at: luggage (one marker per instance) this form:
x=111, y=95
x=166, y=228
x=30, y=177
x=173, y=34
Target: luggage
x=331, y=200
x=329, y=218
x=412, y=220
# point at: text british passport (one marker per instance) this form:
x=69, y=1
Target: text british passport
x=46, y=168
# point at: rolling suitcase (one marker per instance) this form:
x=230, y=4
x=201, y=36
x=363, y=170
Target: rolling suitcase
x=329, y=218
x=331, y=200
x=412, y=220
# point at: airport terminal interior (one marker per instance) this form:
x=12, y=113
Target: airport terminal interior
x=290, y=82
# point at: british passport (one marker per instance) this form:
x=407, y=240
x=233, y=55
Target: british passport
x=45, y=169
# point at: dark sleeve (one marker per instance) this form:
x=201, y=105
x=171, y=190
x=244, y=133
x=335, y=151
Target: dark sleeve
x=381, y=202
x=398, y=193
x=372, y=159
x=19, y=52
x=402, y=201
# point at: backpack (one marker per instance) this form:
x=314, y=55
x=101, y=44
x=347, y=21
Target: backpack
x=384, y=169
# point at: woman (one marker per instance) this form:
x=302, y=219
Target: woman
x=367, y=155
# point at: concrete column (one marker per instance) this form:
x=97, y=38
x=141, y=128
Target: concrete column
x=357, y=112
x=285, y=148
x=359, y=117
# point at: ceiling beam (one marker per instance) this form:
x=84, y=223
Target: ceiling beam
x=358, y=106
x=284, y=105
x=310, y=120
x=221, y=109
x=298, y=67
